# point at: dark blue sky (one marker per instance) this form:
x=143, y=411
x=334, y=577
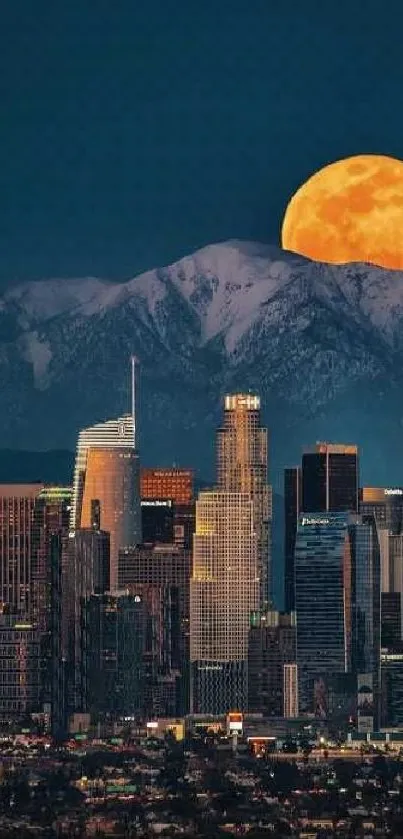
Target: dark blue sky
x=135, y=132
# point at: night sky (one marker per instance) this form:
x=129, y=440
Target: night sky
x=135, y=132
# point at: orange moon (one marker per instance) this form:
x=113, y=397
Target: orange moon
x=349, y=211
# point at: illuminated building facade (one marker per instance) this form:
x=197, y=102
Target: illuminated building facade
x=17, y=502
x=292, y=510
x=175, y=483
x=366, y=610
x=271, y=646
x=330, y=478
x=224, y=590
x=290, y=691
x=34, y=526
x=20, y=668
x=242, y=467
x=108, y=469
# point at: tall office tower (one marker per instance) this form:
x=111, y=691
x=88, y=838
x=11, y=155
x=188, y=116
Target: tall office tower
x=108, y=469
x=176, y=486
x=115, y=649
x=366, y=617
x=50, y=540
x=89, y=574
x=337, y=590
x=292, y=509
x=242, y=467
x=162, y=566
x=51, y=517
x=271, y=648
x=17, y=503
x=330, y=478
x=130, y=647
x=323, y=602
x=224, y=590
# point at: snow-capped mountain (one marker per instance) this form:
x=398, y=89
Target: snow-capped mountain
x=322, y=344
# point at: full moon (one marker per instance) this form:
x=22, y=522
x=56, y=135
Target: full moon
x=349, y=211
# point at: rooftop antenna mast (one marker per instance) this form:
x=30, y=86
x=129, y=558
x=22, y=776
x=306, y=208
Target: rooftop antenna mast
x=134, y=363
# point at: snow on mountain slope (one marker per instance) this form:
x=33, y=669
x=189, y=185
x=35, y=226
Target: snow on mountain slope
x=225, y=285
x=232, y=315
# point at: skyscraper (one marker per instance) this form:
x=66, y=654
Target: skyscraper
x=337, y=594
x=386, y=505
x=108, y=469
x=330, y=478
x=323, y=592
x=17, y=502
x=89, y=575
x=366, y=614
x=224, y=590
x=161, y=566
x=271, y=646
x=130, y=649
x=50, y=541
x=242, y=467
x=292, y=509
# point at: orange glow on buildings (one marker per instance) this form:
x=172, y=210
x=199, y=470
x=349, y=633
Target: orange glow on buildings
x=112, y=477
x=176, y=484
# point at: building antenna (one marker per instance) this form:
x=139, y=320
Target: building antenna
x=134, y=362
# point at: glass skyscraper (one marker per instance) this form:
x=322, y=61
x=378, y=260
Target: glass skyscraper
x=323, y=591
x=337, y=595
x=107, y=469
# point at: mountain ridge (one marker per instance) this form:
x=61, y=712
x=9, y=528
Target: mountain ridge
x=322, y=344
